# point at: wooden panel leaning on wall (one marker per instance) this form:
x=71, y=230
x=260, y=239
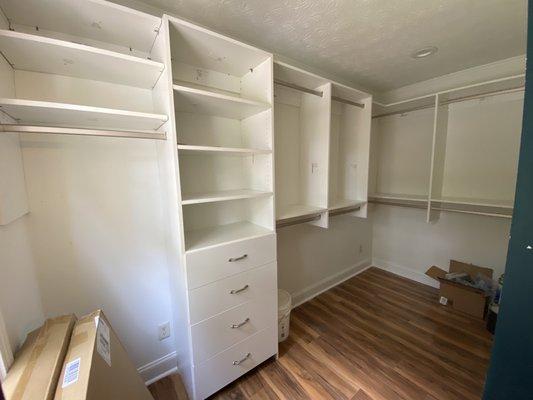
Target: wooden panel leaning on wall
x=376, y=336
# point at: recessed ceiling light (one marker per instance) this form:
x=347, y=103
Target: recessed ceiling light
x=424, y=52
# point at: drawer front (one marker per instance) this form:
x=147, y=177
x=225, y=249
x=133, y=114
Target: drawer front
x=219, y=296
x=214, y=374
x=210, y=265
x=218, y=333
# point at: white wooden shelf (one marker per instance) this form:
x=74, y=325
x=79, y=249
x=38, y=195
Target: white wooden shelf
x=345, y=203
x=213, y=236
x=200, y=101
x=225, y=195
x=192, y=149
x=297, y=210
x=97, y=20
x=45, y=112
x=470, y=201
x=42, y=54
x=398, y=196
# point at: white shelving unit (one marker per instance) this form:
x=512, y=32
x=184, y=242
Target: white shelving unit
x=222, y=97
x=52, y=56
x=349, y=150
x=302, y=126
x=466, y=141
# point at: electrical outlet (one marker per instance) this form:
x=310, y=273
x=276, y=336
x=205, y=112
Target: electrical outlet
x=164, y=330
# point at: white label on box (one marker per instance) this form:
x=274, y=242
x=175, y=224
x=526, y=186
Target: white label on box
x=72, y=373
x=103, y=342
x=443, y=300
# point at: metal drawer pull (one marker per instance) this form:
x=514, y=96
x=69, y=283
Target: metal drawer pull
x=235, y=291
x=233, y=259
x=235, y=326
x=246, y=357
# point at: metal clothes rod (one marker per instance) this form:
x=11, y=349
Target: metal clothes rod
x=297, y=220
x=344, y=210
x=298, y=87
x=56, y=130
x=317, y=93
x=457, y=100
x=352, y=103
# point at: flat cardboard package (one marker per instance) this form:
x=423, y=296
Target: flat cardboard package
x=464, y=298
x=97, y=367
x=35, y=371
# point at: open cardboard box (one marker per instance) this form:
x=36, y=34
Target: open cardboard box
x=464, y=298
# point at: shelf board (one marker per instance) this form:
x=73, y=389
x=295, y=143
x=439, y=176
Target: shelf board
x=42, y=54
x=345, y=203
x=397, y=196
x=200, y=101
x=225, y=195
x=192, y=149
x=61, y=114
x=97, y=20
x=470, y=201
x=297, y=210
x=214, y=236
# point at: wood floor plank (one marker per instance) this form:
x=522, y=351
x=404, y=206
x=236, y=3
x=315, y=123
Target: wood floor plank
x=376, y=336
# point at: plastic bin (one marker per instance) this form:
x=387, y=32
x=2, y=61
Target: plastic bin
x=284, y=314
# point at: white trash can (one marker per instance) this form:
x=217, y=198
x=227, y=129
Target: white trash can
x=284, y=314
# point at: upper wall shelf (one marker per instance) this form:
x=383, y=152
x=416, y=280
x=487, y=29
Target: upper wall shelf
x=97, y=20
x=185, y=148
x=45, y=112
x=193, y=100
x=225, y=195
x=42, y=54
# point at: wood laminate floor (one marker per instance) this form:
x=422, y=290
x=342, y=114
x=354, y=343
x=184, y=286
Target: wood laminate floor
x=374, y=337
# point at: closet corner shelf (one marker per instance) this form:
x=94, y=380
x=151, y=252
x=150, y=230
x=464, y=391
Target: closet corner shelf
x=222, y=234
x=72, y=115
x=52, y=56
x=298, y=211
x=225, y=195
x=193, y=149
x=200, y=101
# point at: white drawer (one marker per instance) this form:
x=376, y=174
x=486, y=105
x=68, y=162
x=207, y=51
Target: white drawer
x=212, y=375
x=210, y=265
x=218, y=333
x=219, y=296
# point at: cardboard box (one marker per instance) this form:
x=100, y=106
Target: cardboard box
x=97, y=367
x=35, y=371
x=461, y=297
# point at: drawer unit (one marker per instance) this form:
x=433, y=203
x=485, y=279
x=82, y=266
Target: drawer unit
x=220, y=332
x=219, y=296
x=217, y=372
x=210, y=265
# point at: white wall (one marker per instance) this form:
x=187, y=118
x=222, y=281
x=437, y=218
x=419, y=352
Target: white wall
x=20, y=300
x=405, y=244
x=311, y=259
x=96, y=230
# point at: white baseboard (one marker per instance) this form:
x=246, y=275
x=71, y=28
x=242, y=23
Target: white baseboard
x=158, y=369
x=405, y=272
x=314, y=290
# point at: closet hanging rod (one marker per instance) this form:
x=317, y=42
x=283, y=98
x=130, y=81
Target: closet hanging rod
x=457, y=100
x=352, y=103
x=344, y=210
x=298, y=87
x=297, y=220
x=57, y=130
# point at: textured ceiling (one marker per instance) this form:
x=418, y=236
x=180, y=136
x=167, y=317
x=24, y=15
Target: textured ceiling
x=369, y=42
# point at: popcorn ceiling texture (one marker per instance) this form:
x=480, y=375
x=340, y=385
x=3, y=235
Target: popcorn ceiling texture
x=369, y=42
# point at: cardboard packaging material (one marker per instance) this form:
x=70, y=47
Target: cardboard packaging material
x=35, y=371
x=470, y=300
x=97, y=367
